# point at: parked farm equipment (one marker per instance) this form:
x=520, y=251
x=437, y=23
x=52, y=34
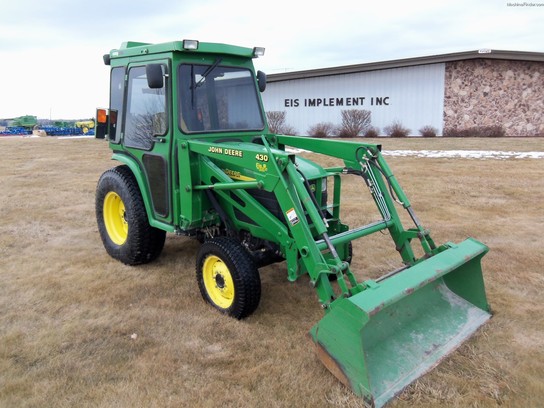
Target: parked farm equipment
x=85, y=126
x=22, y=125
x=187, y=125
x=30, y=125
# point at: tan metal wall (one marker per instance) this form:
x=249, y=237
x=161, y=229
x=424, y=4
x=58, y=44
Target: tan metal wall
x=413, y=95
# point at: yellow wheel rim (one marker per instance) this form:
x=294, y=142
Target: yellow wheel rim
x=218, y=282
x=115, y=218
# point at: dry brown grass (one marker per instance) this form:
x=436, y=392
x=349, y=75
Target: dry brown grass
x=68, y=312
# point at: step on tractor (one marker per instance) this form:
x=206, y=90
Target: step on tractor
x=196, y=158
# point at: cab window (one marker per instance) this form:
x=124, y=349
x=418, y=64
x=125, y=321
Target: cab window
x=218, y=98
x=146, y=111
x=117, y=90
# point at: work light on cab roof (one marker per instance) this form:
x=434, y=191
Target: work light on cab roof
x=187, y=124
x=190, y=45
x=258, y=52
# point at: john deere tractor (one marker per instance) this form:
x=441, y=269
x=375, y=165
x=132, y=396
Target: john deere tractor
x=196, y=158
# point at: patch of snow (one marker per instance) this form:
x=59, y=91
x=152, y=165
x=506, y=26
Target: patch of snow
x=465, y=154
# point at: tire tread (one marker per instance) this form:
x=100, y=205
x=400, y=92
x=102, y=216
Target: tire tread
x=245, y=275
x=144, y=243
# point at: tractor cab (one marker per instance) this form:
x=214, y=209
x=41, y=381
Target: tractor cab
x=162, y=95
x=197, y=89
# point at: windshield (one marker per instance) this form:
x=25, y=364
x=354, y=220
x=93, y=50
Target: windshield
x=216, y=98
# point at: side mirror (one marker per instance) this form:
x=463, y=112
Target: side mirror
x=261, y=80
x=155, y=77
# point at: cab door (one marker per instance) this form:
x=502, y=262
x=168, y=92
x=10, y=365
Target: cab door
x=147, y=134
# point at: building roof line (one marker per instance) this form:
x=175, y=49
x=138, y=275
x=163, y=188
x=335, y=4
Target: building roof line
x=409, y=62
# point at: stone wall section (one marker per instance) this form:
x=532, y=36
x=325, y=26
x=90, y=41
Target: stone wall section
x=484, y=92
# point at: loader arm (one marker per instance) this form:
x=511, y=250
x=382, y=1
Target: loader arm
x=367, y=160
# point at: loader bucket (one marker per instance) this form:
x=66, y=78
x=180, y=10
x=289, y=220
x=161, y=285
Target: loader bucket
x=380, y=340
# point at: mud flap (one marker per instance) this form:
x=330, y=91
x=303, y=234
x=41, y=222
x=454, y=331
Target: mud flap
x=382, y=339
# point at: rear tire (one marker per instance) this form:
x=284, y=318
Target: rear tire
x=122, y=219
x=228, y=278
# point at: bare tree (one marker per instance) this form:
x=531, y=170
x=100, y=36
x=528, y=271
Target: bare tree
x=277, y=123
x=354, y=122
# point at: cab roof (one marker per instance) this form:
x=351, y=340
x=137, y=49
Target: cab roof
x=132, y=48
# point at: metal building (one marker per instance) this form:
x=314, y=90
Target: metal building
x=466, y=91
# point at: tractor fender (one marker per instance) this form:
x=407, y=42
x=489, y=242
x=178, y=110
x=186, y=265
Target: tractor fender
x=142, y=185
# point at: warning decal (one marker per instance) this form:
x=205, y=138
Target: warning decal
x=292, y=216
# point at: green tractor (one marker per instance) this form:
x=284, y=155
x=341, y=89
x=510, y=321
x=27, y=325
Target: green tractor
x=187, y=125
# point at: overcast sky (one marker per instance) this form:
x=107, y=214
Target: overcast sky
x=51, y=51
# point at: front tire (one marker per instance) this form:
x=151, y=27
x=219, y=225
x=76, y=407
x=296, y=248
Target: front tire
x=122, y=219
x=227, y=277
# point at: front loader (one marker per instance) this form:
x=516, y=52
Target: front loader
x=187, y=125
